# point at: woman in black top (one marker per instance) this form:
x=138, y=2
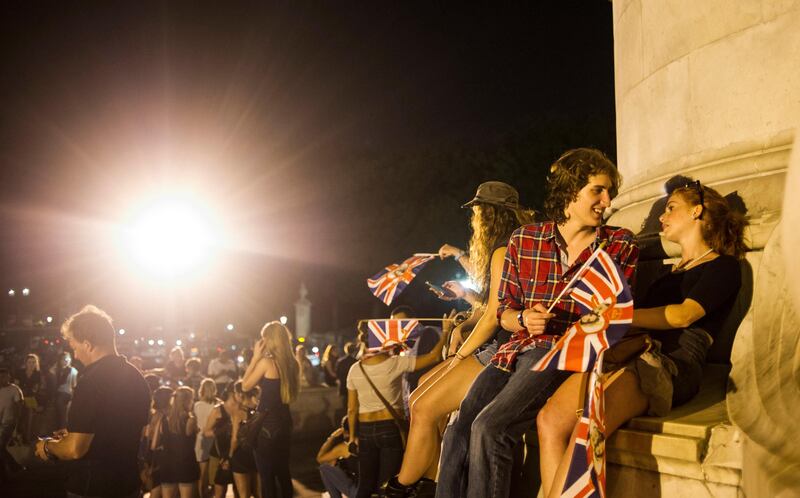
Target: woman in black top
x=179, y=469
x=243, y=464
x=32, y=382
x=276, y=371
x=220, y=427
x=683, y=312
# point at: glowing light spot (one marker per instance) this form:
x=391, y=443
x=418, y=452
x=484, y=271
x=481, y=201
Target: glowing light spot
x=301, y=339
x=151, y=342
x=284, y=320
x=229, y=327
x=121, y=331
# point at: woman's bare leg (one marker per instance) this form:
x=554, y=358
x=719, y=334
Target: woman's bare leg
x=220, y=491
x=428, y=379
x=187, y=489
x=242, y=483
x=440, y=398
x=624, y=400
x=169, y=490
x=203, y=481
x=554, y=425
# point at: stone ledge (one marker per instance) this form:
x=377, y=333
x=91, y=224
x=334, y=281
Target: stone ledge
x=695, y=442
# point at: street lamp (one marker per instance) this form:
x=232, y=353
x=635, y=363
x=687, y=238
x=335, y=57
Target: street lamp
x=49, y=319
x=121, y=331
x=229, y=327
x=26, y=292
x=11, y=293
x=284, y=319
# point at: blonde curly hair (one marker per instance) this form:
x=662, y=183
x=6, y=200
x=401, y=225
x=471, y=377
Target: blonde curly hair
x=492, y=226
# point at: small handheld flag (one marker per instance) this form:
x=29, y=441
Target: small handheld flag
x=393, y=280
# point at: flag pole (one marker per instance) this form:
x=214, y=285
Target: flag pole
x=578, y=274
x=425, y=254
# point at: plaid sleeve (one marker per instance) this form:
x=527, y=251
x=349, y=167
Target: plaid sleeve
x=509, y=294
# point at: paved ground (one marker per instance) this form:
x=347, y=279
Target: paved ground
x=44, y=481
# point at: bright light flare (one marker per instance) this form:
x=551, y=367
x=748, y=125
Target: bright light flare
x=284, y=319
x=171, y=238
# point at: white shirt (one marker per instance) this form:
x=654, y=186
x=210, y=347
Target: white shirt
x=387, y=377
x=216, y=367
x=9, y=396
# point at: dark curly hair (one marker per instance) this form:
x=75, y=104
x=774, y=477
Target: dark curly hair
x=570, y=173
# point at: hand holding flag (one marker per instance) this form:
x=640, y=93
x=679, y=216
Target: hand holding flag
x=393, y=279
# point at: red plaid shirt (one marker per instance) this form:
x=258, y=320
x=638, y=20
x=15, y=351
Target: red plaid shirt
x=532, y=273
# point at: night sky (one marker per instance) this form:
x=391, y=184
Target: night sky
x=332, y=138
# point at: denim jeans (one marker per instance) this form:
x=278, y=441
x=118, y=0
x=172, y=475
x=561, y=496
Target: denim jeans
x=272, y=459
x=499, y=407
x=337, y=482
x=380, y=453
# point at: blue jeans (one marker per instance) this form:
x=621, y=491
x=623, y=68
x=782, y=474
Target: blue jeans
x=499, y=407
x=380, y=453
x=337, y=482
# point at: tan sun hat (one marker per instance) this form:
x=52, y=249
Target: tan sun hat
x=497, y=193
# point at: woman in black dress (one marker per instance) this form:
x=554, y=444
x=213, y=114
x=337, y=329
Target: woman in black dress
x=682, y=312
x=243, y=464
x=179, y=469
x=220, y=427
x=276, y=371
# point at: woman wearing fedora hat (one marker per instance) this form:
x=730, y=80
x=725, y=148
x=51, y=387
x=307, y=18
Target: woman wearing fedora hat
x=496, y=213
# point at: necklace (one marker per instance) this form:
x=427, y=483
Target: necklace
x=685, y=266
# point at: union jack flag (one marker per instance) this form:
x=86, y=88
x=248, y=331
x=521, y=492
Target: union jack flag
x=604, y=297
x=393, y=280
x=586, y=476
x=387, y=333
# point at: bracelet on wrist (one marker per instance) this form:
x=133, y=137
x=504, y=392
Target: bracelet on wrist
x=520, y=320
x=46, y=451
x=459, y=255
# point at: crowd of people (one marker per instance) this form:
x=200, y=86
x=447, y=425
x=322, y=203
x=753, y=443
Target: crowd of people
x=440, y=420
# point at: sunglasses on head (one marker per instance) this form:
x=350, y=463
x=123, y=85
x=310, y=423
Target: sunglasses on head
x=698, y=187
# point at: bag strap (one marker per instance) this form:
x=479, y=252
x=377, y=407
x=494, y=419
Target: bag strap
x=397, y=418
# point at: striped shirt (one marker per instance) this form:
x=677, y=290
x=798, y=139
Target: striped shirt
x=533, y=273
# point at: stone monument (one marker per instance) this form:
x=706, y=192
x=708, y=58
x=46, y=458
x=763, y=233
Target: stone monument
x=302, y=313
x=711, y=89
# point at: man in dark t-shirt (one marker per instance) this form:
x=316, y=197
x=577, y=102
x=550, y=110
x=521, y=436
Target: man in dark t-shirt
x=109, y=407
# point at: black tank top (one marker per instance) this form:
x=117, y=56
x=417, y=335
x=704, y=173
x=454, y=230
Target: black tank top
x=271, y=401
x=222, y=434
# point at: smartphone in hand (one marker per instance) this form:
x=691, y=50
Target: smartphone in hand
x=441, y=292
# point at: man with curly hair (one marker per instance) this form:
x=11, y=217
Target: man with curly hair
x=504, y=399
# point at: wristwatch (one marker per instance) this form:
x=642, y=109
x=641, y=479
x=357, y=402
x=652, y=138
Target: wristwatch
x=520, y=320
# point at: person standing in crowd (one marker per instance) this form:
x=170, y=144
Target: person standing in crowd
x=64, y=378
x=343, y=368
x=175, y=369
x=374, y=424
x=276, y=371
x=220, y=427
x=153, y=439
x=179, y=469
x=193, y=376
x=308, y=375
x=683, y=310
x=329, y=359
x=496, y=213
x=10, y=409
x=110, y=406
x=338, y=468
x=242, y=457
x=223, y=370
x=34, y=387
x=207, y=395
x=541, y=258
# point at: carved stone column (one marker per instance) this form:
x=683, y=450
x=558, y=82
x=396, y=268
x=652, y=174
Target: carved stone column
x=711, y=89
